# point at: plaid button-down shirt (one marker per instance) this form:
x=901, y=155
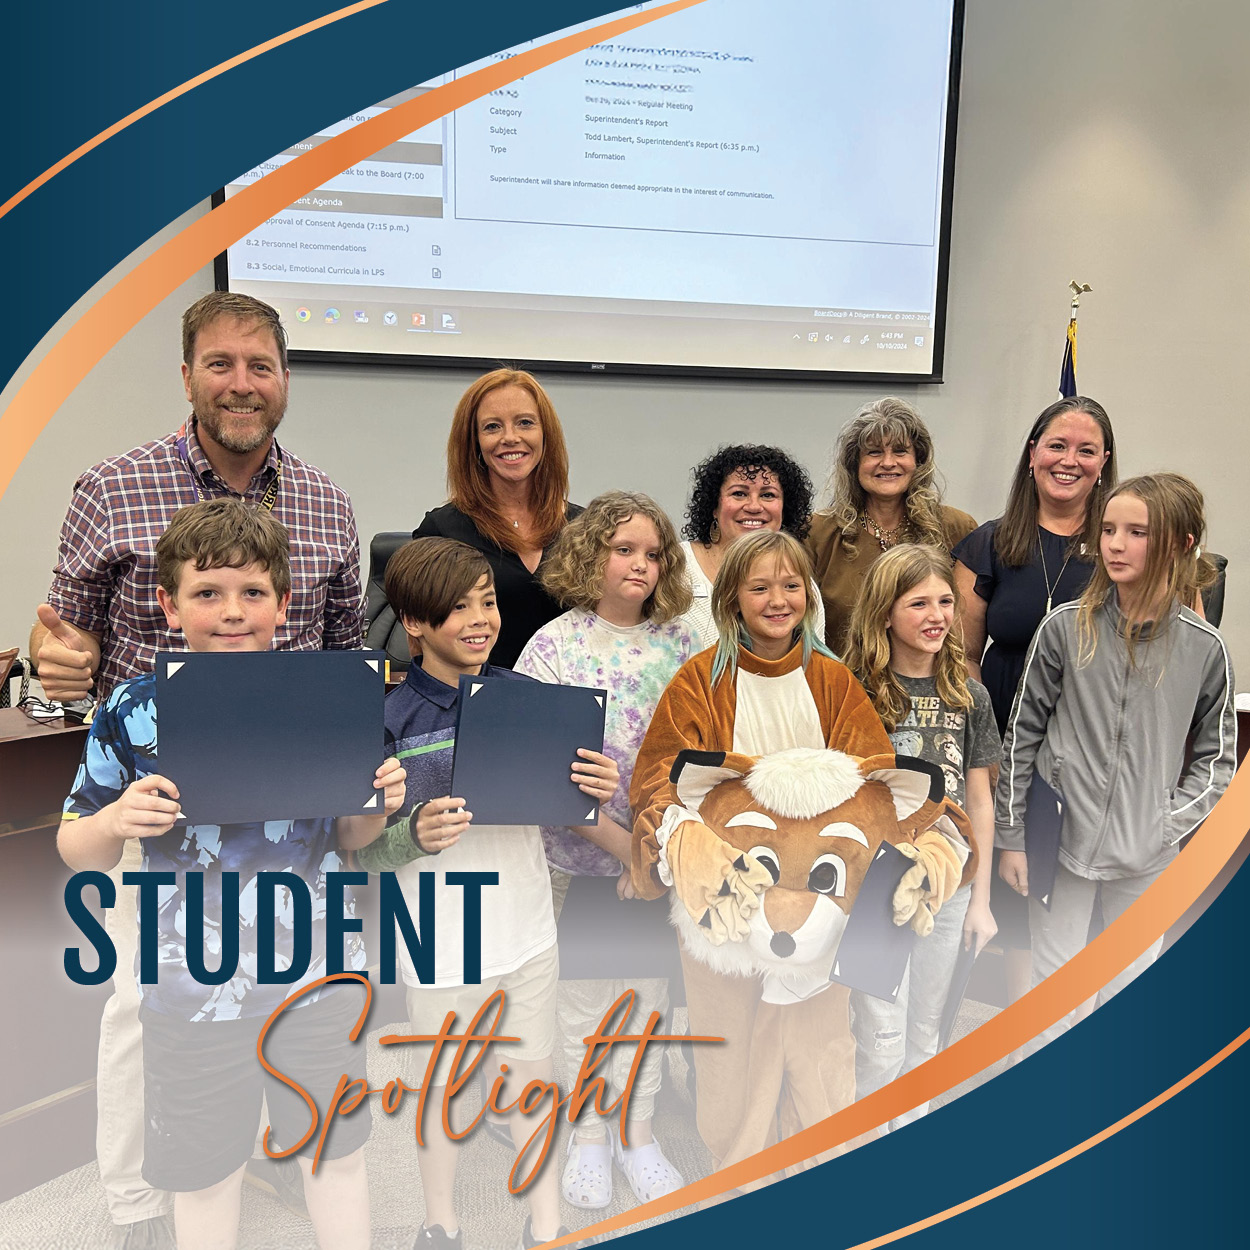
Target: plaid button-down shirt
x=105, y=576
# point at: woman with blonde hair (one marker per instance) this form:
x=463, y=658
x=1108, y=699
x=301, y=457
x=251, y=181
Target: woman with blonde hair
x=507, y=488
x=886, y=491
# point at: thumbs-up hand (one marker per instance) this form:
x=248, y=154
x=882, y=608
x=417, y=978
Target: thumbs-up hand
x=67, y=660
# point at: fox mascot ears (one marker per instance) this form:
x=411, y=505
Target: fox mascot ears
x=803, y=782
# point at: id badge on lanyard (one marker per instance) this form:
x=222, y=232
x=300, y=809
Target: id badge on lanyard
x=267, y=500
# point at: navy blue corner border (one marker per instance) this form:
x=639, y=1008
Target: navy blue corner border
x=76, y=68
x=1173, y=1178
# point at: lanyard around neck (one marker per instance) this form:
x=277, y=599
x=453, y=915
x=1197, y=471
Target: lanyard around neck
x=267, y=500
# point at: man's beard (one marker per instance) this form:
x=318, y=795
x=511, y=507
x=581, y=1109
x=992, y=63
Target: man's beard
x=238, y=435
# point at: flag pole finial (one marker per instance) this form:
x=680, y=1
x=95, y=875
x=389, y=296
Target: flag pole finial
x=1067, y=370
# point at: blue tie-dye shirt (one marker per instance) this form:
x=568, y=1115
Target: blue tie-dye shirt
x=121, y=748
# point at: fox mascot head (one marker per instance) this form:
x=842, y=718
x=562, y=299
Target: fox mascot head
x=767, y=855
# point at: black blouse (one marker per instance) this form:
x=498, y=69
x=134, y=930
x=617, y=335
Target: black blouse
x=1015, y=603
x=524, y=606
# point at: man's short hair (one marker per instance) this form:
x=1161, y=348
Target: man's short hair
x=427, y=577
x=208, y=308
x=224, y=534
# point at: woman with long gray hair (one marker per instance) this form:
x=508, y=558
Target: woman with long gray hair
x=886, y=491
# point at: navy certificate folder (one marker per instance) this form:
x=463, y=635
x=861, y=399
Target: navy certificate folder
x=955, y=995
x=271, y=735
x=1043, y=828
x=516, y=742
x=872, y=955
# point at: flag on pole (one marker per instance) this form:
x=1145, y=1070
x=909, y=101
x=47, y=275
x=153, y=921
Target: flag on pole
x=1067, y=371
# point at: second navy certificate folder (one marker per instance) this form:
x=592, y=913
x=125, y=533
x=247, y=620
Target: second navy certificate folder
x=1043, y=831
x=516, y=742
x=271, y=735
x=873, y=953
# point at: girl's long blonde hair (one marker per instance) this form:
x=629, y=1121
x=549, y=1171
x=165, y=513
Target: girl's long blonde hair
x=734, y=571
x=895, y=575
x=1176, y=570
x=573, y=571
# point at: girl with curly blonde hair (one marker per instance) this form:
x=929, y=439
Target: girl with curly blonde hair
x=619, y=570
x=575, y=570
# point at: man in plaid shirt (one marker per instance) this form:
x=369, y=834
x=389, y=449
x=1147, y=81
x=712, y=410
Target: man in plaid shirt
x=102, y=624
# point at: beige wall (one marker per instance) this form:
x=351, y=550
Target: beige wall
x=1101, y=141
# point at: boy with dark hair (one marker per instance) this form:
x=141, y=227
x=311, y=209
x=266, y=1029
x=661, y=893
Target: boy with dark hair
x=224, y=581
x=444, y=594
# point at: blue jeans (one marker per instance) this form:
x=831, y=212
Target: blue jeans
x=893, y=1038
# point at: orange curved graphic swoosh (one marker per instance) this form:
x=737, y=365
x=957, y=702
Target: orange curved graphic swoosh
x=72, y=357
x=152, y=105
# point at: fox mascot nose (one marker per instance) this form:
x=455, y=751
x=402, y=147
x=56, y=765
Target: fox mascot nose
x=782, y=945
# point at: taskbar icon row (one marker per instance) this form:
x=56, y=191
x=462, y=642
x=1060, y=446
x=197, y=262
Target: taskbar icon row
x=439, y=321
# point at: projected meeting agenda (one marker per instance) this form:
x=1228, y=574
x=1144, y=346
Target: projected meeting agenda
x=734, y=188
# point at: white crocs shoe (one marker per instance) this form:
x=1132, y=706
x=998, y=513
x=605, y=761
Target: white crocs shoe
x=647, y=1169
x=587, y=1179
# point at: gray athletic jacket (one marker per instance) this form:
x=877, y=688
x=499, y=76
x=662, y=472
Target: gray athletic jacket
x=1110, y=738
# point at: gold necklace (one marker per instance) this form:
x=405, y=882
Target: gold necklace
x=1045, y=574
x=887, y=538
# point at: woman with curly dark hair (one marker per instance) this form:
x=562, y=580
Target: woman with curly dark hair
x=739, y=490
x=885, y=491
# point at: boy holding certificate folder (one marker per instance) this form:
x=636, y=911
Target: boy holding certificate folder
x=224, y=581
x=444, y=594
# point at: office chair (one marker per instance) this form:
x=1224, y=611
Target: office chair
x=1213, y=596
x=383, y=630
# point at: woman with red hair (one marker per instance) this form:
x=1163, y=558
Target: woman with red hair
x=507, y=487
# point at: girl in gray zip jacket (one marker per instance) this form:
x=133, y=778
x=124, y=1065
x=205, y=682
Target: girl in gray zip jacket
x=1114, y=688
